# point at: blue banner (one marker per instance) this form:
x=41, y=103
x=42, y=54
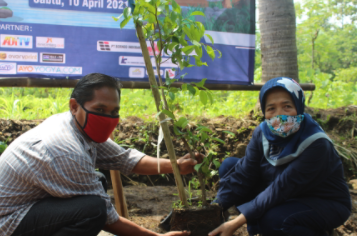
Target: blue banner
x=67, y=39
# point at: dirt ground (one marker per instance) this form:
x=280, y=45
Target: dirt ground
x=147, y=205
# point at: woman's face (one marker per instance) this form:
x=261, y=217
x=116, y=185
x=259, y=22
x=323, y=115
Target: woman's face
x=279, y=102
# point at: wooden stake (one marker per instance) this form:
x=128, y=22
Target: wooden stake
x=119, y=197
x=118, y=191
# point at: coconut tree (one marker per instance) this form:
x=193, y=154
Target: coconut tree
x=278, y=40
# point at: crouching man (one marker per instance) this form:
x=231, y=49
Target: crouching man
x=48, y=181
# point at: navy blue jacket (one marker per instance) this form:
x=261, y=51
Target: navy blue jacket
x=315, y=178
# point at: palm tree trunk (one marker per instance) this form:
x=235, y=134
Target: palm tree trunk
x=278, y=40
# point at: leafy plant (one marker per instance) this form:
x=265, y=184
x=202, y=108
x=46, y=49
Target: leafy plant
x=3, y=146
x=177, y=39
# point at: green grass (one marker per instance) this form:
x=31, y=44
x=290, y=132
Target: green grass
x=40, y=103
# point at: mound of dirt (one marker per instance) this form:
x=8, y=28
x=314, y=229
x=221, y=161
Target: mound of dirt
x=340, y=124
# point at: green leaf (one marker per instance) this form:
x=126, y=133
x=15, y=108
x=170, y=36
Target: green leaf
x=191, y=89
x=173, y=89
x=204, y=137
x=127, y=12
x=172, y=45
x=188, y=49
x=210, y=97
x=199, y=62
x=204, y=128
x=117, y=18
x=216, y=163
x=182, y=122
x=198, y=51
x=175, y=6
x=177, y=131
x=201, y=83
x=184, y=87
x=203, y=97
x=188, y=32
x=210, y=52
x=194, y=42
x=198, y=166
x=220, y=54
x=229, y=132
x=152, y=18
x=125, y=21
x=200, y=30
x=181, y=65
x=149, y=7
x=169, y=114
x=205, y=170
x=172, y=96
x=210, y=38
x=218, y=140
x=197, y=13
x=183, y=40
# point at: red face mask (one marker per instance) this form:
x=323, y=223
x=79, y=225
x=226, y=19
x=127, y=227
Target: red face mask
x=97, y=126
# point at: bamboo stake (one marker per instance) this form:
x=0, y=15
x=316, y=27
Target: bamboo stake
x=119, y=197
x=163, y=123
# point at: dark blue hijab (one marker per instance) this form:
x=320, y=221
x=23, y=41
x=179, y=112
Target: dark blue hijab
x=290, y=147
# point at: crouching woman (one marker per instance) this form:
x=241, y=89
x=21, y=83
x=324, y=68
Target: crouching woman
x=291, y=180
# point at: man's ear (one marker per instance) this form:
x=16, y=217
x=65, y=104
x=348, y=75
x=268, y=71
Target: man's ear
x=73, y=106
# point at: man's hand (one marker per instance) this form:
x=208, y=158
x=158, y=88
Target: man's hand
x=177, y=233
x=186, y=164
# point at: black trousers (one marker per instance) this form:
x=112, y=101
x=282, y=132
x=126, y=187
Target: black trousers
x=76, y=216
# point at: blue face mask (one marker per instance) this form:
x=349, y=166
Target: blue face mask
x=284, y=125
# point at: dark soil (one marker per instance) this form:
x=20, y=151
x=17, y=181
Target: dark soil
x=200, y=221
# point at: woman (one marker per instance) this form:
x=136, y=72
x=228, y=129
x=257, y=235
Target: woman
x=291, y=180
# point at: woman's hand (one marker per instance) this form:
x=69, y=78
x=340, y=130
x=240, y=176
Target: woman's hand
x=228, y=228
x=177, y=233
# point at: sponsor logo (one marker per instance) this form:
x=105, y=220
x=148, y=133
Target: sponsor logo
x=155, y=72
x=131, y=61
x=3, y=55
x=53, y=58
x=136, y=72
x=170, y=73
x=8, y=68
x=16, y=41
x=165, y=62
x=103, y=46
x=19, y=56
x=49, y=69
x=47, y=42
x=114, y=46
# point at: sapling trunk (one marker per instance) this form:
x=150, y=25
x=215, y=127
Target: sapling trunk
x=164, y=125
x=199, y=174
x=187, y=146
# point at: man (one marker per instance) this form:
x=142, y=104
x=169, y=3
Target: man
x=47, y=176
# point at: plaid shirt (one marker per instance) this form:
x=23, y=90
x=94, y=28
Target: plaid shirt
x=54, y=159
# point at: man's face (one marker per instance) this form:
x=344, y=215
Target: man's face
x=105, y=101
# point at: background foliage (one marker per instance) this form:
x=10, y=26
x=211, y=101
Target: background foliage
x=327, y=54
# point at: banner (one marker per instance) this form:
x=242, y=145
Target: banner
x=67, y=39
